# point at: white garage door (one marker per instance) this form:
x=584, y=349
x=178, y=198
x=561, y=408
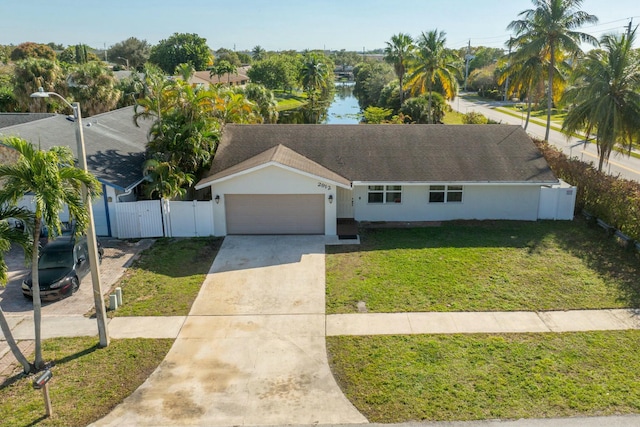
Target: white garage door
x=274, y=213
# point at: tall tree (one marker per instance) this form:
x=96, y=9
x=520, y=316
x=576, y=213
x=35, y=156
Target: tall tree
x=264, y=100
x=548, y=27
x=181, y=48
x=32, y=50
x=12, y=235
x=31, y=74
x=398, y=53
x=606, y=99
x=433, y=65
x=222, y=67
x=134, y=51
x=55, y=182
x=95, y=87
x=276, y=72
x=316, y=75
x=258, y=53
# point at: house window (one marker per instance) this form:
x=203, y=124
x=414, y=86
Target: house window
x=445, y=193
x=385, y=194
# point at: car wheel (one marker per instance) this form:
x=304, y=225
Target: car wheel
x=75, y=285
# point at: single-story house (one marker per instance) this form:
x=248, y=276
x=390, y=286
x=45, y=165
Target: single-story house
x=115, y=149
x=205, y=78
x=302, y=179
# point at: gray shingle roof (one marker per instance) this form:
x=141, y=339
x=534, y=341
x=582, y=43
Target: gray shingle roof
x=115, y=146
x=12, y=119
x=397, y=153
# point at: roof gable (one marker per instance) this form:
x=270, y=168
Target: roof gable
x=280, y=155
x=397, y=153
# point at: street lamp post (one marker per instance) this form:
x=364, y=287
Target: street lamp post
x=126, y=60
x=101, y=314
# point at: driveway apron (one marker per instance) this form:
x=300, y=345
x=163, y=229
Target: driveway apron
x=252, y=350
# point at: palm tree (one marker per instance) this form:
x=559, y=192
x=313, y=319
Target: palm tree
x=258, y=53
x=12, y=235
x=155, y=103
x=527, y=75
x=605, y=97
x=433, y=63
x=398, y=53
x=315, y=75
x=166, y=180
x=549, y=27
x=55, y=182
x=264, y=100
x=221, y=68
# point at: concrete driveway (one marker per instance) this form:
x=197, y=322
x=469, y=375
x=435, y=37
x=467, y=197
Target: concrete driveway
x=252, y=350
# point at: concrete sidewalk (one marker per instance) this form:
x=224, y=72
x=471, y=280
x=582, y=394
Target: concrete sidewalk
x=354, y=324
x=481, y=322
x=337, y=324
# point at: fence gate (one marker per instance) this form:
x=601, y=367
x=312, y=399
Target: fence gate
x=189, y=219
x=139, y=219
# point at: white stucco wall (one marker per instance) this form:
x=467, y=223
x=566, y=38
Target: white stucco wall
x=512, y=202
x=273, y=180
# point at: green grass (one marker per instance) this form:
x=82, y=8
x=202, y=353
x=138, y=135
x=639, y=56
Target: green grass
x=165, y=280
x=453, y=118
x=464, y=377
x=88, y=381
x=482, y=266
x=290, y=101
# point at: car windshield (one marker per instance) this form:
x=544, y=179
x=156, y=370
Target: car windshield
x=55, y=259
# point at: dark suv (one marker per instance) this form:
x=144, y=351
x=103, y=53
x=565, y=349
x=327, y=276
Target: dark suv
x=62, y=264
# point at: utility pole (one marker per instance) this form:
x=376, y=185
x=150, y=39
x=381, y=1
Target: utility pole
x=506, y=85
x=468, y=57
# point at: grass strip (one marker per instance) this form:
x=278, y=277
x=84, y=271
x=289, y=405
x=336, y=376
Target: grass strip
x=482, y=266
x=167, y=277
x=393, y=379
x=88, y=381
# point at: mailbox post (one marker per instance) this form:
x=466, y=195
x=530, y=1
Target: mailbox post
x=41, y=383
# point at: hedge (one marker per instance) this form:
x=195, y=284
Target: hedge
x=614, y=200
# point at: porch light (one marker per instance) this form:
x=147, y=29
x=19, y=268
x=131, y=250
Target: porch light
x=217, y=199
x=330, y=198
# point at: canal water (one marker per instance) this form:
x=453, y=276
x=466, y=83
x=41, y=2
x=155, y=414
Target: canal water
x=344, y=109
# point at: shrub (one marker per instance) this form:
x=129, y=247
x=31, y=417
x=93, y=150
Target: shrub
x=614, y=200
x=474, y=118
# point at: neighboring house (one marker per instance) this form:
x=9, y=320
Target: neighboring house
x=115, y=149
x=234, y=79
x=12, y=119
x=301, y=179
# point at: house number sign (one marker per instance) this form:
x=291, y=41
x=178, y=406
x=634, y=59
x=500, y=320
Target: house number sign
x=324, y=185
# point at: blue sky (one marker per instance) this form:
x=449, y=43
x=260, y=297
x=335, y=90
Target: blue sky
x=280, y=24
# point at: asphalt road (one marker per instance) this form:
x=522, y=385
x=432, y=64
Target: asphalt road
x=619, y=164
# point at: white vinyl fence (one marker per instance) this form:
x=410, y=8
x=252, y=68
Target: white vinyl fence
x=557, y=202
x=139, y=219
x=164, y=219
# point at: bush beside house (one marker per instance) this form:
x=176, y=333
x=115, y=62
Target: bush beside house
x=613, y=200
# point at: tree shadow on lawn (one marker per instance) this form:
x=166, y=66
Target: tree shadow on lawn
x=587, y=243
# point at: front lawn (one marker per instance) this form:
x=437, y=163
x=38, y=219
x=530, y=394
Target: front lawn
x=482, y=266
x=167, y=277
x=88, y=381
x=393, y=379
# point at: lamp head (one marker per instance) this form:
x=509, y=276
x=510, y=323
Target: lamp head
x=40, y=93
